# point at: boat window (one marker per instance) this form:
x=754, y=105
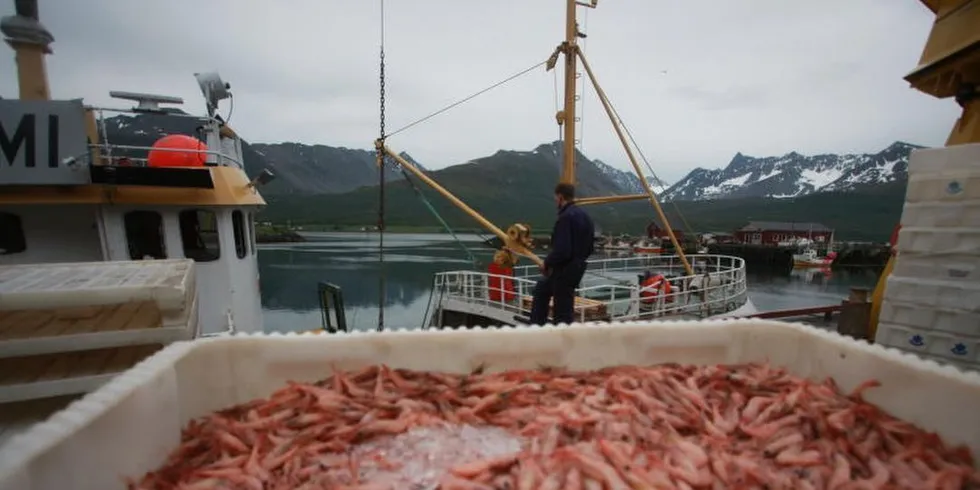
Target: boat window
x=144, y=235
x=199, y=235
x=12, y=239
x=251, y=230
x=241, y=241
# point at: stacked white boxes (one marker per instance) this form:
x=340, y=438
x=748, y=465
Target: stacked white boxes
x=932, y=299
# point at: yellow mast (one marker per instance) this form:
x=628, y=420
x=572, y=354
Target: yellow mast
x=30, y=41
x=567, y=116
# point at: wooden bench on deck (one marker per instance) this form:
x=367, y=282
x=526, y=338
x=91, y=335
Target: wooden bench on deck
x=587, y=310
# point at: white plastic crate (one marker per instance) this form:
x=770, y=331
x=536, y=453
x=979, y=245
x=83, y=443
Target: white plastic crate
x=961, y=268
x=960, y=351
x=129, y=426
x=914, y=315
x=950, y=174
x=961, y=214
x=67, y=328
x=939, y=241
x=945, y=295
x=932, y=299
x=169, y=283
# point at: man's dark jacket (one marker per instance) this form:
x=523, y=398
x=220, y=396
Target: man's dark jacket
x=573, y=238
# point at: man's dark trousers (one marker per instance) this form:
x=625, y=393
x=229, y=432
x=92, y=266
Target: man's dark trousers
x=560, y=284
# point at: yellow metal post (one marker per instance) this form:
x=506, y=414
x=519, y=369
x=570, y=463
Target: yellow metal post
x=568, y=118
x=584, y=201
x=484, y=222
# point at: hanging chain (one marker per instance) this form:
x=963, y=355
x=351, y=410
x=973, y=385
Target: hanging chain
x=382, y=85
x=381, y=182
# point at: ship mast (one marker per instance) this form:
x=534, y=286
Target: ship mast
x=30, y=41
x=567, y=117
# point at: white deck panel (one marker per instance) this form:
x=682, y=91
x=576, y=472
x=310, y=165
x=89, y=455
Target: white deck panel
x=168, y=283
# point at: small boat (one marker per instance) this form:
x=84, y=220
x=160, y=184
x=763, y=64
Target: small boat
x=808, y=258
x=645, y=247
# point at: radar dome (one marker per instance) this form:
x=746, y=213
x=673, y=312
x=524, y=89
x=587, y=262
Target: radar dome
x=167, y=152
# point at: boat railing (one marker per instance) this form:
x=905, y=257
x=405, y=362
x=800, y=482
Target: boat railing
x=665, y=264
x=718, y=287
x=117, y=154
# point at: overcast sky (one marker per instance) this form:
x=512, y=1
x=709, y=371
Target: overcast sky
x=696, y=81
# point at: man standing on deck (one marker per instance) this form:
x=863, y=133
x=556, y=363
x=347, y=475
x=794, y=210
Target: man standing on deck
x=572, y=242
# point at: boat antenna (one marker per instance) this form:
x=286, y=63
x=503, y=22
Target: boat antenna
x=381, y=182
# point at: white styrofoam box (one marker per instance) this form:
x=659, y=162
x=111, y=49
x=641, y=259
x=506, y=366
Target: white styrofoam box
x=949, y=174
x=963, y=214
x=951, y=321
x=957, y=268
x=939, y=241
x=960, y=351
x=928, y=161
x=130, y=425
x=950, y=295
x=170, y=283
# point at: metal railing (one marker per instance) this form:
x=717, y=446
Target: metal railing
x=106, y=149
x=717, y=287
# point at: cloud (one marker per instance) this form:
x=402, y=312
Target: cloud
x=696, y=82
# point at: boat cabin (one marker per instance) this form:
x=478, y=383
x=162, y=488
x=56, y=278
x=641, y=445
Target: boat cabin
x=69, y=194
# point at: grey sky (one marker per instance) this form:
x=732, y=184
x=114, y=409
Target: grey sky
x=696, y=81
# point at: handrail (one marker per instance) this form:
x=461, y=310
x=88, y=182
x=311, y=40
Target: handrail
x=104, y=146
x=719, y=288
x=216, y=153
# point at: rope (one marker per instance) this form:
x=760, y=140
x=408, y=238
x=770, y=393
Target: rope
x=557, y=103
x=381, y=183
x=418, y=192
x=467, y=99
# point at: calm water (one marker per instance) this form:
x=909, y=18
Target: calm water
x=290, y=273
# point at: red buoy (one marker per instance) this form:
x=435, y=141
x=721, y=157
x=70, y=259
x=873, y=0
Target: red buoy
x=165, y=152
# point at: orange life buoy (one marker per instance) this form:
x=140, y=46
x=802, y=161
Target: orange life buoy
x=654, y=286
x=177, y=150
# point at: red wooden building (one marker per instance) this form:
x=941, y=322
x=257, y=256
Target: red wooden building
x=774, y=232
x=655, y=231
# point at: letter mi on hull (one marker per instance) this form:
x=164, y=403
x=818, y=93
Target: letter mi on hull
x=40, y=140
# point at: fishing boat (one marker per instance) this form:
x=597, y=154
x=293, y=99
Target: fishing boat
x=703, y=285
x=808, y=257
x=648, y=247
x=108, y=251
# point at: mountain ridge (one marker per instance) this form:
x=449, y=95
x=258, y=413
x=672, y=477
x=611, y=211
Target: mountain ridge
x=794, y=174
x=321, y=169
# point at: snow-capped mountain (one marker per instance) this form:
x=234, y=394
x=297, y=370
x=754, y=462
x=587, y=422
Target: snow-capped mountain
x=794, y=175
x=628, y=182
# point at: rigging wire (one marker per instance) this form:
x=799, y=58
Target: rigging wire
x=557, y=103
x=381, y=180
x=428, y=204
x=629, y=134
x=581, y=111
x=468, y=98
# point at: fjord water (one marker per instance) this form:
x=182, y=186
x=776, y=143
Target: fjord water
x=290, y=273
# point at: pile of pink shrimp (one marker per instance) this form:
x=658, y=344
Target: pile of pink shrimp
x=625, y=427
